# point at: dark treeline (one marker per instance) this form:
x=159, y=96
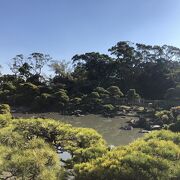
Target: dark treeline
x=93, y=79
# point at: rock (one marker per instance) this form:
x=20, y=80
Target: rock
x=79, y=115
x=119, y=113
x=133, y=121
x=155, y=127
x=129, y=128
x=110, y=147
x=144, y=131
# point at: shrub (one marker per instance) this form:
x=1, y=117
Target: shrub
x=82, y=143
x=9, y=86
x=4, y=109
x=5, y=115
x=34, y=160
x=165, y=116
x=132, y=95
x=28, y=148
x=94, y=95
x=108, y=109
x=26, y=94
x=61, y=99
x=102, y=92
x=115, y=91
x=154, y=157
x=44, y=102
x=175, y=111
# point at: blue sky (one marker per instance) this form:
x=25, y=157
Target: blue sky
x=63, y=28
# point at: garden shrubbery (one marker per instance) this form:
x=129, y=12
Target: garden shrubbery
x=156, y=156
x=30, y=149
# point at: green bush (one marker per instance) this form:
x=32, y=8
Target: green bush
x=132, y=95
x=102, y=92
x=165, y=116
x=82, y=143
x=28, y=148
x=175, y=111
x=108, y=109
x=5, y=109
x=156, y=156
x=5, y=115
x=26, y=94
x=9, y=86
x=61, y=99
x=114, y=91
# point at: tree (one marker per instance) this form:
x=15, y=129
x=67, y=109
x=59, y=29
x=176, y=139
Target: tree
x=31, y=65
x=149, y=69
x=93, y=67
x=61, y=68
x=38, y=61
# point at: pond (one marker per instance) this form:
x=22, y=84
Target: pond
x=109, y=128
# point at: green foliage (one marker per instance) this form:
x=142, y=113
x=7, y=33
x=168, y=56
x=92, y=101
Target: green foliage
x=108, y=109
x=43, y=102
x=28, y=150
x=165, y=116
x=29, y=147
x=22, y=157
x=115, y=91
x=32, y=160
x=76, y=141
x=61, y=98
x=154, y=157
x=9, y=86
x=26, y=94
x=5, y=115
x=173, y=93
x=175, y=111
x=28, y=88
x=4, y=109
x=132, y=95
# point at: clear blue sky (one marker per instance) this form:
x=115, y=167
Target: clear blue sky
x=63, y=28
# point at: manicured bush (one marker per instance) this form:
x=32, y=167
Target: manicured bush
x=102, y=92
x=166, y=117
x=114, y=91
x=132, y=95
x=175, y=111
x=82, y=143
x=28, y=148
x=61, y=99
x=154, y=157
x=4, y=109
x=108, y=109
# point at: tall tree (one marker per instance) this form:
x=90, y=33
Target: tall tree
x=93, y=67
x=28, y=66
x=61, y=68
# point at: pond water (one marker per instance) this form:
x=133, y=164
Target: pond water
x=109, y=128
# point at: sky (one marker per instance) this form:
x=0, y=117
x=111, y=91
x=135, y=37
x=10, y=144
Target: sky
x=63, y=28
